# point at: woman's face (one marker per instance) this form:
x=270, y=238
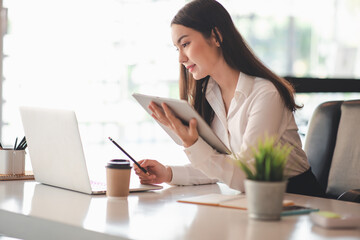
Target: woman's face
x=199, y=55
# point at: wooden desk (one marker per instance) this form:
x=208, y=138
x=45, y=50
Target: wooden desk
x=34, y=211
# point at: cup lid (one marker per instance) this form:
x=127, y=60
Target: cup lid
x=119, y=164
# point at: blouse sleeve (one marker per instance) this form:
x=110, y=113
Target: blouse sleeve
x=264, y=116
x=188, y=175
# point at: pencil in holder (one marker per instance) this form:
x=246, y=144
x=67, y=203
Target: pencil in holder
x=12, y=162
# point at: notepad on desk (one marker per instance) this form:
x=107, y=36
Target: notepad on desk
x=221, y=200
x=240, y=202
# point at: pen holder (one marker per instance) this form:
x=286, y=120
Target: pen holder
x=12, y=162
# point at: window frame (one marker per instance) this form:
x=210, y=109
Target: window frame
x=321, y=85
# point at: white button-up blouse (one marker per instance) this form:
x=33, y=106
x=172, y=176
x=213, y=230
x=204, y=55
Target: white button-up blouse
x=255, y=110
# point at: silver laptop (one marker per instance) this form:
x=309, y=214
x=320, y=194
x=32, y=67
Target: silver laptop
x=56, y=151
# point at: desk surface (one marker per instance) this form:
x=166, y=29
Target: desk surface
x=35, y=211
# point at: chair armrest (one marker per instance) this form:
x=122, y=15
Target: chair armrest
x=352, y=195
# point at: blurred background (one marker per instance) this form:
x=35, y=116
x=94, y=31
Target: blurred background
x=92, y=55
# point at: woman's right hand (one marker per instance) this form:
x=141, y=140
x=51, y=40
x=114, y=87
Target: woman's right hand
x=157, y=173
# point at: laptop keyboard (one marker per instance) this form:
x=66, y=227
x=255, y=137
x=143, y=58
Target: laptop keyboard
x=97, y=185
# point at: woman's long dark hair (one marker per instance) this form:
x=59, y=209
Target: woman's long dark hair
x=207, y=16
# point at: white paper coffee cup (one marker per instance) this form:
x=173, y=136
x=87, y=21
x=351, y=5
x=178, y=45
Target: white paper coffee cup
x=118, y=178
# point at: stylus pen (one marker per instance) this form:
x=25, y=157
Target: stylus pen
x=137, y=164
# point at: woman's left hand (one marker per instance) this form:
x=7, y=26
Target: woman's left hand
x=163, y=114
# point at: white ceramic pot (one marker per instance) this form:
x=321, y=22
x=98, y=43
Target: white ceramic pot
x=265, y=199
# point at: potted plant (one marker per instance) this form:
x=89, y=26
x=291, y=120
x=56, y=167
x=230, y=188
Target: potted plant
x=265, y=184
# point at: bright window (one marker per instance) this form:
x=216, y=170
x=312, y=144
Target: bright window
x=91, y=55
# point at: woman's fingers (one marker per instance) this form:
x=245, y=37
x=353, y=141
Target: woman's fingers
x=145, y=178
x=158, y=173
x=163, y=114
x=174, y=121
x=155, y=170
x=144, y=164
x=158, y=114
x=193, y=128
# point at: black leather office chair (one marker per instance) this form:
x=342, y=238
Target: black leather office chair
x=333, y=148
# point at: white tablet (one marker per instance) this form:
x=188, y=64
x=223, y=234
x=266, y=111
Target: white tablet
x=184, y=111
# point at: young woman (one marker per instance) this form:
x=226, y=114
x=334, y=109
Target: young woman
x=240, y=98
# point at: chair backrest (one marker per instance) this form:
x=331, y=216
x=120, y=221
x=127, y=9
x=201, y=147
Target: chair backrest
x=333, y=148
x=321, y=138
x=344, y=173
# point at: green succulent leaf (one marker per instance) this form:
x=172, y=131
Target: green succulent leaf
x=269, y=160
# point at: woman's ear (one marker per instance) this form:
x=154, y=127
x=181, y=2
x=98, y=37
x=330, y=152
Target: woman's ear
x=215, y=33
